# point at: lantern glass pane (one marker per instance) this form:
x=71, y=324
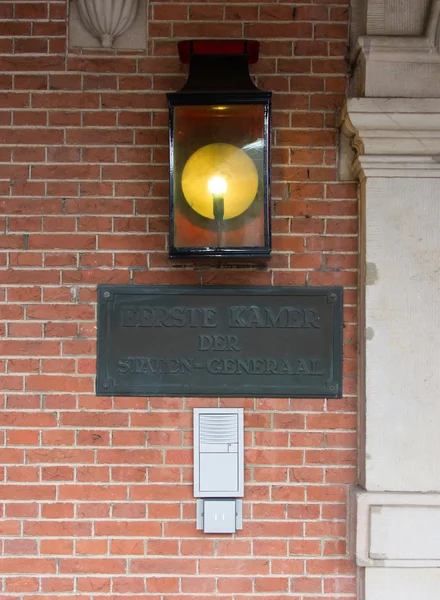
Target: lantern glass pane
x=219, y=176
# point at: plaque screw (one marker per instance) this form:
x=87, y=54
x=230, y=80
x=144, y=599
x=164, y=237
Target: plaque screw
x=330, y=387
x=106, y=294
x=106, y=386
x=332, y=297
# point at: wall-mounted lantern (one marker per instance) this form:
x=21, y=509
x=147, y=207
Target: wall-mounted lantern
x=219, y=154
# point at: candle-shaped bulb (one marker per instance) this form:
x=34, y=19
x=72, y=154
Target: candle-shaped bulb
x=217, y=186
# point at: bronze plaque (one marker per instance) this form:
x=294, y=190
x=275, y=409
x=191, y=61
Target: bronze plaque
x=219, y=341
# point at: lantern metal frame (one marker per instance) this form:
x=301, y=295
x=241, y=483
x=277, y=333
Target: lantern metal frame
x=219, y=75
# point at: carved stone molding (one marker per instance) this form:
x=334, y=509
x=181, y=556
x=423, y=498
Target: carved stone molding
x=399, y=65
x=108, y=24
x=107, y=19
x=396, y=17
x=395, y=529
x=397, y=137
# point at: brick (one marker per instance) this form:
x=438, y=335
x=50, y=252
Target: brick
x=58, y=584
x=130, y=456
x=11, y=313
x=164, y=511
x=311, y=13
x=238, y=566
x=277, y=13
x=11, y=241
x=12, y=528
x=341, y=566
x=288, y=493
x=129, y=584
x=242, y=13
x=91, y=547
x=92, y=565
x=271, y=584
x=288, y=566
x=130, y=474
x=345, y=475
x=29, y=63
x=64, y=100
x=334, y=278
x=95, y=276
x=335, y=457
x=101, y=82
x=131, y=547
x=94, y=474
x=27, y=492
x=62, y=118
x=332, y=421
x=56, y=528
x=94, y=419
x=274, y=529
x=327, y=493
x=93, y=584
x=270, y=547
x=206, y=13
x=57, y=510
x=30, y=46
x=330, y=31
x=94, y=493
x=305, y=585
x=19, y=437
x=15, y=29
x=60, y=312
x=127, y=529
x=11, y=382
x=102, y=119
x=57, y=473
x=29, y=348
x=27, y=565
x=59, y=456
x=270, y=474
x=20, y=546
x=159, y=278
x=164, y=565
x=18, y=509
x=22, y=584
x=74, y=172
x=129, y=511
x=279, y=30
x=98, y=137
x=104, y=65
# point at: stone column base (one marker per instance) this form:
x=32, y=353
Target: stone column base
x=396, y=538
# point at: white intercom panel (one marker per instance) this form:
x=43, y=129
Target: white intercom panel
x=219, y=468
x=218, y=453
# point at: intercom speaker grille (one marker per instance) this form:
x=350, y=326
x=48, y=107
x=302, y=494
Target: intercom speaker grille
x=218, y=429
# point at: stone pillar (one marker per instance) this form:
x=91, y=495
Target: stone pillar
x=395, y=132
x=398, y=509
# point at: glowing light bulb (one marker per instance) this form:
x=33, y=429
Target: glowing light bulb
x=221, y=171
x=217, y=186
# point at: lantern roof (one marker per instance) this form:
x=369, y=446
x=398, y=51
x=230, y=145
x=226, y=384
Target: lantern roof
x=220, y=67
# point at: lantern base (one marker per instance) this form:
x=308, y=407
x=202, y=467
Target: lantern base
x=219, y=252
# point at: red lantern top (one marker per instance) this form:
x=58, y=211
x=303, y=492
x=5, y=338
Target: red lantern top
x=249, y=48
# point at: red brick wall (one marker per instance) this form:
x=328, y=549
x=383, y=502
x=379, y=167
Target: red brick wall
x=96, y=495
